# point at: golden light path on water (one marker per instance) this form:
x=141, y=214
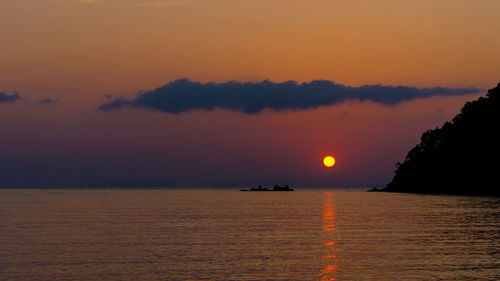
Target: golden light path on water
x=328, y=273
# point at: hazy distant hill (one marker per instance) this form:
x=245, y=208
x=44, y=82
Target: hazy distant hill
x=461, y=157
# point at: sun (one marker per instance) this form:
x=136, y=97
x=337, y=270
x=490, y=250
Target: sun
x=329, y=161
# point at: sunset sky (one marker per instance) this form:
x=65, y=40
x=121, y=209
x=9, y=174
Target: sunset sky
x=90, y=90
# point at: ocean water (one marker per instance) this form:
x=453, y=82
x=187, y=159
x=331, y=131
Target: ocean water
x=230, y=235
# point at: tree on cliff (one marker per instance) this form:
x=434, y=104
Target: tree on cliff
x=461, y=157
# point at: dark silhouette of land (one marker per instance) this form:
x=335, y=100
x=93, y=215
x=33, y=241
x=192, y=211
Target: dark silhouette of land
x=462, y=157
x=275, y=188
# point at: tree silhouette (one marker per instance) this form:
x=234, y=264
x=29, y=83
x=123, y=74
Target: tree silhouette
x=461, y=157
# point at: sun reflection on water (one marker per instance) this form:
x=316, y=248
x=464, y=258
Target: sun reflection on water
x=329, y=225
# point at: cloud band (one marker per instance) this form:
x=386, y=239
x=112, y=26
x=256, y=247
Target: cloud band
x=4, y=98
x=253, y=97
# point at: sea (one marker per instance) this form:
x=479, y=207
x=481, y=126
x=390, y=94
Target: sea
x=225, y=234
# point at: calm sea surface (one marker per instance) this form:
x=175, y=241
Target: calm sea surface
x=230, y=235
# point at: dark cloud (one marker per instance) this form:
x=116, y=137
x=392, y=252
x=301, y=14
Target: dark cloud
x=119, y=103
x=47, y=101
x=253, y=97
x=9, y=98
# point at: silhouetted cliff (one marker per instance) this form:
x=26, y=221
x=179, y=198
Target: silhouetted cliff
x=461, y=157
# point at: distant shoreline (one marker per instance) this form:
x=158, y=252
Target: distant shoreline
x=234, y=188
x=384, y=190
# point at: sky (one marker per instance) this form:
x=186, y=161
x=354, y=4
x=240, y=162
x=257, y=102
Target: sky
x=232, y=92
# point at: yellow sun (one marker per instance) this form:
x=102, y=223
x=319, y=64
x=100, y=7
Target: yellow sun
x=329, y=161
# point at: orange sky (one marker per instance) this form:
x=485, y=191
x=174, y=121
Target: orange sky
x=79, y=50
x=121, y=46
